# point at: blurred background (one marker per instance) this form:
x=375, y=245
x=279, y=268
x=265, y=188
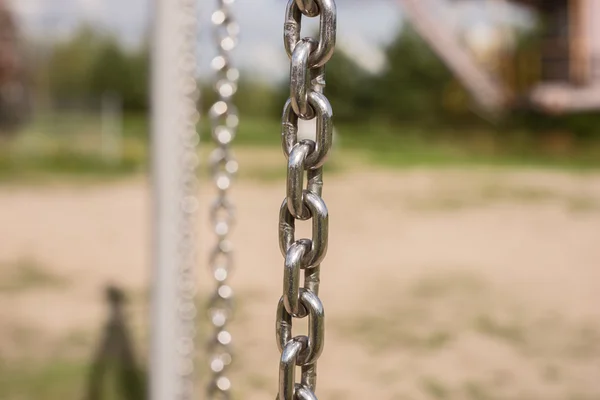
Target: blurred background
x=463, y=191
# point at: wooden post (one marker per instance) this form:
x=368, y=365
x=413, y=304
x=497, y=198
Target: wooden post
x=579, y=32
x=593, y=18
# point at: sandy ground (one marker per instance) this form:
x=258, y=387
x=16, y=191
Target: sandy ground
x=438, y=284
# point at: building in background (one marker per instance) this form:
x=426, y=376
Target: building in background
x=562, y=74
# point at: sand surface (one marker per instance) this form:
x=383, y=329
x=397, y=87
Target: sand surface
x=457, y=284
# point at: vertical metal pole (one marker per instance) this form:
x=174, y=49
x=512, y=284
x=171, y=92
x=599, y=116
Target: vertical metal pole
x=173, y=65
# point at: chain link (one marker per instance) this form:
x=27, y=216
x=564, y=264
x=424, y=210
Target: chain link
x=223, y=167
x=307, y=101
x=308, y=7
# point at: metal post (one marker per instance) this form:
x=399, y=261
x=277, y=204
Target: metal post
x=173, y=71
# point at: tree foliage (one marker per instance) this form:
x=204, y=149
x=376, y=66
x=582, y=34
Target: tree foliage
x=415, y=88
x=412, y=87
x=91, y=64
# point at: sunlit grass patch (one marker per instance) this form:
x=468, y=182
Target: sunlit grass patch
x=510, y=331
x=437, y=310
x=71, y=145
x=49, y=381
x=494, y=193
x=434, y=388
x=26, y=274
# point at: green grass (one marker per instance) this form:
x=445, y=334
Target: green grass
x=511, y=332
x=469, y=305
x=56, y=380
x=259, y=132
x=27, y=274
x=49, y=381
x=495, y=192
x=434, y=388
x=397, y=146
x=69, y=145
x=67, y=376
x=477, y=391
x=411, y=147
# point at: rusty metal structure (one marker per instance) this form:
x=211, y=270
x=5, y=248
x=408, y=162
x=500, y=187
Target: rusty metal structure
x=569, y=55
x=567, y=62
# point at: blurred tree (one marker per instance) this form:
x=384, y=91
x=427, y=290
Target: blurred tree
x=115, y=71
x=256, y=98
x=111, y=71
x=411, y=90
x=351, y=89
x=253, y=98
x=70, y=64
x=140, y=85
x=416, y=87
x=91, y=64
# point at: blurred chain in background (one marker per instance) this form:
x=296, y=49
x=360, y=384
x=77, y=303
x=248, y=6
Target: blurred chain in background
x=223, y=167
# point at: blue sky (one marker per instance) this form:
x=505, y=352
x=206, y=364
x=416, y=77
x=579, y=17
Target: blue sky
x=360, y=27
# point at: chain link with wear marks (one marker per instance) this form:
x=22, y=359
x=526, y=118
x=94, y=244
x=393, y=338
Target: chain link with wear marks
x=308, y=57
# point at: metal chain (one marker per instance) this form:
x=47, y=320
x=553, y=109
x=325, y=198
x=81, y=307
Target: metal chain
x=307, y=80
x=186, y=307
x=224, y=122
x=308, y=7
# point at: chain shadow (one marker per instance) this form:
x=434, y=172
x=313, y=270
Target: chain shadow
x=115, y=356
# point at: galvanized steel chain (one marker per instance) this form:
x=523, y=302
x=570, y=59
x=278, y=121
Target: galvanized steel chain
x=186, y=306
x=224, y=122
x=307, y=80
